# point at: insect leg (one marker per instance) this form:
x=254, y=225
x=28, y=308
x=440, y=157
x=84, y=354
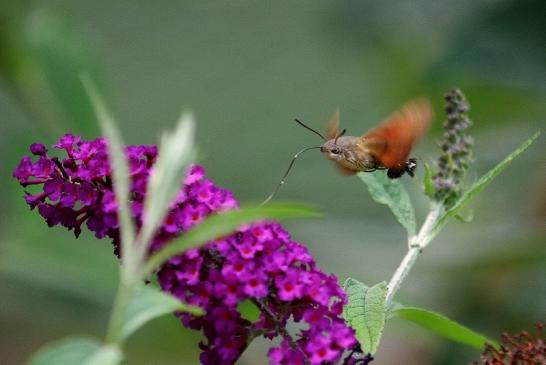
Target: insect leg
x=411, y=165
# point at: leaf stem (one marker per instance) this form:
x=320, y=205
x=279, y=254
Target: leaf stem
x=416, y=245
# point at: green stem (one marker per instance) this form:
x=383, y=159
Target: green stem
x=119, y=310
x=401, y=272
x=416, y=245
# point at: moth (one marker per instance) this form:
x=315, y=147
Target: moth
x=385, y=147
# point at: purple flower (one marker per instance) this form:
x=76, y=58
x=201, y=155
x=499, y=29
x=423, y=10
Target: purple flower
x=256, y=285
x=259, y=263
x=285, y=354
x=38, y=149
x=192, y=215
x=321, y=350
x=67, y=142
x=23, y=171
x=288, y=285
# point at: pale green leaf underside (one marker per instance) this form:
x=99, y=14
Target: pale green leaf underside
x=176, y=152
x=393, y=194
x=77, y=351
x=365, y=312
x=442, y=326
x=483, y=182
x=148, y=303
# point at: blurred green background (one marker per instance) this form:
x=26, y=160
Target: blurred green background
x=247, y=69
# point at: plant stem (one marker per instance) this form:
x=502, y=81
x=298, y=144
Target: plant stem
x=401, y=272
x=428, y=229
x=121, y=302
x=416, y=245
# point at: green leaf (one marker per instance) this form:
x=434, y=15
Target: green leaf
x=393, y=194
x=429, y=187
x=118, y=162
x=176, y=152
x=106, y=355
x=148, y=303
x=77, y=351
x=249, y=310
x=365, y=312
x=482, y=183
x=465, y=217
x=442, y=326
x=218, y=225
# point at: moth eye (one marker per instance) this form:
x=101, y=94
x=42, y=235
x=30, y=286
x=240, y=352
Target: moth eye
x=335, y=151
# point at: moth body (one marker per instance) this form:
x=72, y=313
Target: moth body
x=348, y=153
x=386, y=146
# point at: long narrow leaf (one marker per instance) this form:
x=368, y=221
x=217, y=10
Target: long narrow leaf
x=148, y=303
x=442, y=326
x=175, y=154
x=118, y=163
x=483, y=182
x=222, y=224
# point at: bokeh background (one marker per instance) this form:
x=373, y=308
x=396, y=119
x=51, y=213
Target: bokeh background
x=246, y=69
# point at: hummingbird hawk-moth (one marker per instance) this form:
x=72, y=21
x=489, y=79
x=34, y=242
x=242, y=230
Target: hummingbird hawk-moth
x=386, y=146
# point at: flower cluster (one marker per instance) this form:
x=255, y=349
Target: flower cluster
x=456, y=149
x=520, y=349
x=77, y=189
x=259, y=263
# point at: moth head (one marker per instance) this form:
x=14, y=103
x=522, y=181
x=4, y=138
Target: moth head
x=333, y=149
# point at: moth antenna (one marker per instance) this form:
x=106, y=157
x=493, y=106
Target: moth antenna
x=339, y=135
x=311, y=129
x=281, y=183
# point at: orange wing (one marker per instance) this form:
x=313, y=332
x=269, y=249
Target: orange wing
x=333, y=126
x=392, y=140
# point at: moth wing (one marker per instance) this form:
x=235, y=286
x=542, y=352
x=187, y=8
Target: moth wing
x=391, y=141
x=333, y=126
